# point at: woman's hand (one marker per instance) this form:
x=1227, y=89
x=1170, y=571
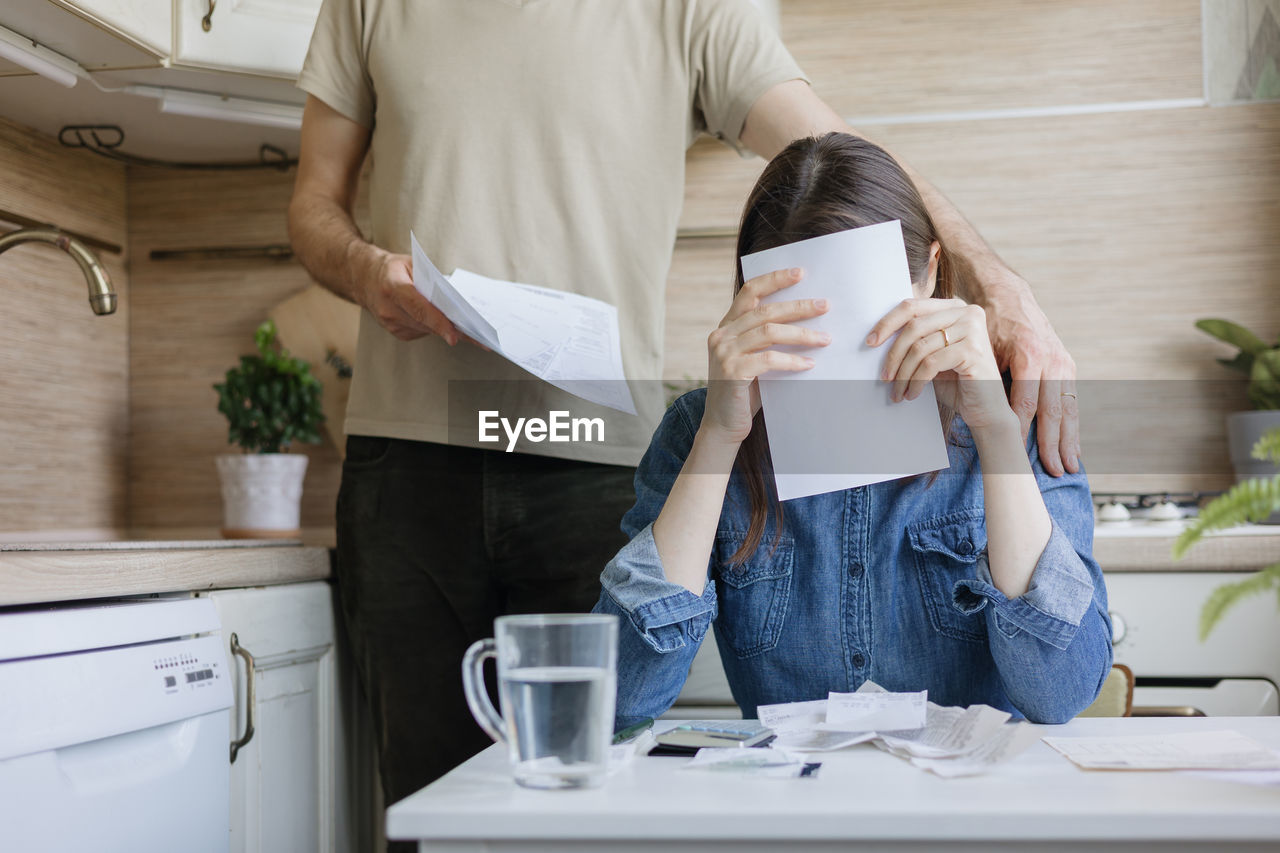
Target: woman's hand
x=944, y=340
x=741, y=349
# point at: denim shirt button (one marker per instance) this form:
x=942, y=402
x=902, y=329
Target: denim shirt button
x=965, y=547
x=859, y=660
x=855, y=571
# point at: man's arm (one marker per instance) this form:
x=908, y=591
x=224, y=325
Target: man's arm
x=1025, y=343
x=325, y=237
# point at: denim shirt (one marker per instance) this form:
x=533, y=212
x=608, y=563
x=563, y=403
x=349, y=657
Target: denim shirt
x=887, y=582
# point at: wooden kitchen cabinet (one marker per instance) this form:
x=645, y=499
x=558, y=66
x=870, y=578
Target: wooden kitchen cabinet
x=303, y=781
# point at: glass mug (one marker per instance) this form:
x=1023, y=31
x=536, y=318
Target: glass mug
x=557, y=685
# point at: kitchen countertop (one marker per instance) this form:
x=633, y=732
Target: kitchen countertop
x=33, y=573
x=1148, y=547
x=150, y=545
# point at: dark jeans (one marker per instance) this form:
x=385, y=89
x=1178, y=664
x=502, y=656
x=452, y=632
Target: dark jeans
x=435, y=541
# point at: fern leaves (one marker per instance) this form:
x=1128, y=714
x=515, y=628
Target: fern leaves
x=1251, y=500
x=1268, y=447
x=1229, y=594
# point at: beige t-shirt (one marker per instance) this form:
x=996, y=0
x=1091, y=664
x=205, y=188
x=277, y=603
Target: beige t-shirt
x=543, y=142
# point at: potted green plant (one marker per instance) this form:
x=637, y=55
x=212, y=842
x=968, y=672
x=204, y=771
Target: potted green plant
x=1249, y=500
x=1261, y=363
x=270, y=401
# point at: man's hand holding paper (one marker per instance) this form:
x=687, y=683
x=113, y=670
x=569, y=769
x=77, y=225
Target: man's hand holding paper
x=568, y=340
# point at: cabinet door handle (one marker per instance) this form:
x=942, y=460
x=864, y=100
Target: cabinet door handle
x=250, y=698
x=206, y=23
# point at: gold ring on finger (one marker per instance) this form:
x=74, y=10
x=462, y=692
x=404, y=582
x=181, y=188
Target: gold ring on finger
x=945, y=342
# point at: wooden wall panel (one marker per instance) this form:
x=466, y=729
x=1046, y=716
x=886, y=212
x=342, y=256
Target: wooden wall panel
x=1129, y=226
x=192, y=320
x=716, y=185
x=909, y=57
x=63, y=369
x=699, y=290
x=890, y=57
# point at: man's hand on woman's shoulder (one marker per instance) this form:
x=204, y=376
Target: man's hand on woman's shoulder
x=1043, y=373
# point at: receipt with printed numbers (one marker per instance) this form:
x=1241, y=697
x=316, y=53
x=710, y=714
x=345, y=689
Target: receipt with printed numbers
x=947, y=741
x=869, y=711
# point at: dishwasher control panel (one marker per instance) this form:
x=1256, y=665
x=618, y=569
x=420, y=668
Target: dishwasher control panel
x=187, y=671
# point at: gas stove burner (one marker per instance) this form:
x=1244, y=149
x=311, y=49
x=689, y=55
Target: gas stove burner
x=1115, y=507
x=1166, y=511
x=1112, y=511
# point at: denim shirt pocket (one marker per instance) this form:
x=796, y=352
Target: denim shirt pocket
x=753, y=596
x=946, y=550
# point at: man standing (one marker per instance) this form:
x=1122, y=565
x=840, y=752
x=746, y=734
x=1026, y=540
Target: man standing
x=540, y=141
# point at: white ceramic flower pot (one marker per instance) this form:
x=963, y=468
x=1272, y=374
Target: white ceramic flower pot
x=261, y=494
x=1243, y=431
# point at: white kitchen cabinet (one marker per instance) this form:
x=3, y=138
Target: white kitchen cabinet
x=96, y=34
x=144, y=22
x=268, y=37
x=262, y=38
x=301, y=782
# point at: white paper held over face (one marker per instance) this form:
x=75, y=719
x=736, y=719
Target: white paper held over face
x=833, y=426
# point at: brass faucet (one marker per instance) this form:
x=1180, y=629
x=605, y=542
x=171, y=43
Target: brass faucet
x=101, y=297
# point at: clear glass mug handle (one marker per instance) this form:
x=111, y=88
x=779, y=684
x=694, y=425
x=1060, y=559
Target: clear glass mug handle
x=473, y=688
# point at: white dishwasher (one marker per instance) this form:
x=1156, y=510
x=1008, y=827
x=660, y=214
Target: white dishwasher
x=113, y=728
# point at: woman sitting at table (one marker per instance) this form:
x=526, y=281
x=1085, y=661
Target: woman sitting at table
x=975, y=583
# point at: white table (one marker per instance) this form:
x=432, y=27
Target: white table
x=862, y=799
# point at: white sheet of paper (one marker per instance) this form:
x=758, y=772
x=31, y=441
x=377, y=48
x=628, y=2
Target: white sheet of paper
x=1010, y=740
x=792, y=717
x=953, y=742
x=439, y=291
x=798, y=726
x=827, y=437
x=822, y=741
x=1259, y=778
x=875, y=712
x=949, y=732
x=748, y=761
x=1217, y=750
x=566, y=339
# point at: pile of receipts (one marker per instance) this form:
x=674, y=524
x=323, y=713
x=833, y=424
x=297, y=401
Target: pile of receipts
x=948, y=741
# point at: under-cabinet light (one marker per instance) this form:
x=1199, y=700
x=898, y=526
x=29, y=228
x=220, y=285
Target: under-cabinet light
x=36, y=57
x=247, y=110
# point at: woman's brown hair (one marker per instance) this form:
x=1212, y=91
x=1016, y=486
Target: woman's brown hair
x=815, y=186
